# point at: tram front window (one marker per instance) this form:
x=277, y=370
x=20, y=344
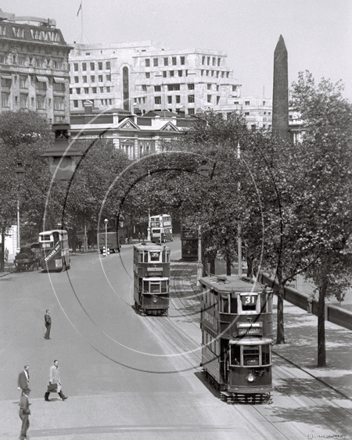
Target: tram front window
x=154, y=287
x=251, y=355
x=266, y=354
x=233, y=303
x=164, y=287
x=154, y=256
x=235, y=358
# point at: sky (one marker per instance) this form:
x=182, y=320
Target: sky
x=317, y=33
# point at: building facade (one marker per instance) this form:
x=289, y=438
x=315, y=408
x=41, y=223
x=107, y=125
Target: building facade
x=146, y=76
x=34, y=67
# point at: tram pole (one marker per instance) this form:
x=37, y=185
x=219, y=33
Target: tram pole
x=239, y=239
x=199, y=263
x=106, y=237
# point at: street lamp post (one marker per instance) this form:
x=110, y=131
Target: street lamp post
x=106, y=236
x=239, y=239
x=19, y=176
x=199, y=262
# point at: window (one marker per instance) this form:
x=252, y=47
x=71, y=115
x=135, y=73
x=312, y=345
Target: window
x=191, y=111
x=166, y=61
x=147, y=74
x=101, y=89
x=41, y=85
x=94, y=90
x=213, y=61
x=246, y=102
x=190, y=98
x=171, y=73
x=23, y=100
x=78, y=91
x=75, y=67
x=235, y=354
x=180, y=73
x=178, y=99
x=100, y=78
x=182, y=62
x=157, y=99
x=108, y=90
x=208, y=98
x=86, y=90
x=203, y=60
x=157, y=88
x=76, y=79
x=6, y=82
x=107, y=65
x=251, y=355
x=174, y=61
x=190, y=86
x=71, y=91
x=164, y=74
x=217, y=99
x=169, y=99
x=84, y=79
x=147, y=62
x=108, y=77
x=265, y=354
x=155, y=62
x=84, y=66
x=144, y=88
x=92, y=66
x=264, y=102
x=208, y=61
x=40, y=102
x=100, y=65
x=247, y=114
x=202, y=72
x=59, y=87
x=209, y=86
x=92, y=78
x=172, y=87
x=59, y=103
x=219, y=61
x=23, y=81
x=75, y=103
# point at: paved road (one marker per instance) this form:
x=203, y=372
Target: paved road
x=131, y=377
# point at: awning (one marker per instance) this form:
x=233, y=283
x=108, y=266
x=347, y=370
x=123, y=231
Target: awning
x=6, y=76
x=250, y=341
x=42, y=79
x=59, y=80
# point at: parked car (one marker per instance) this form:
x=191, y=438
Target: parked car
x=26, y=259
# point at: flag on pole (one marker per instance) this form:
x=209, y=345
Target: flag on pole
x=80, y=7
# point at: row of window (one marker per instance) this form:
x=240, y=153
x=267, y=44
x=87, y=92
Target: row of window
x=87, y=90
x=40, y=102
x=246, y=102
x=176, y=87
x=167, y=61
x=91, y=65
x=215, y=73
x=26, y=61
x=92, y=78
x=211, y=61
x=77, y=103
x=39, y=84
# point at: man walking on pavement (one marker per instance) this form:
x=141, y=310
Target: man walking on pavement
x=24, y=413
x=47, y=322
x=23, y=379
x=54, y=379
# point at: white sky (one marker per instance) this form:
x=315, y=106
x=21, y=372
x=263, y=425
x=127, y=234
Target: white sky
x=317, y=33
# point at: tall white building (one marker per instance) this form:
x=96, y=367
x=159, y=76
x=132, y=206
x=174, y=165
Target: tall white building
x=144, y=76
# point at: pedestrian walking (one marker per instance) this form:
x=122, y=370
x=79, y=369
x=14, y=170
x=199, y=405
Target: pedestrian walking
x=54, y=382
x=47, y=322
x=23, y=379
x=24, y=413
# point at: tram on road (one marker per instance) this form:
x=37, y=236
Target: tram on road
x=160, y=228
x=189, y=244
x=151, y=270
x=55, y=254
x=237, y=336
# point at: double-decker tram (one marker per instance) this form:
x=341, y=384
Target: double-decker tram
x=189, y=244
x=237, y=336
x=160, y=228
x=55, y=254
x=151, y=269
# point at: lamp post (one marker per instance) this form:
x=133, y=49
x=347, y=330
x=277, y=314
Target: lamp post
x=239, y=239
x=106, y=236
x=199, y=262
x=19, y=176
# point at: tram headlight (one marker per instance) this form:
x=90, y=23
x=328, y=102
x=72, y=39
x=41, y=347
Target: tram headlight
x=250, y=377
x=155, y=299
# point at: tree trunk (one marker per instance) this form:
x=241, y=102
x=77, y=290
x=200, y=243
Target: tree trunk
x=249, y=266
x=321, y=326
x=2, y=253
x=280, y=334
x=212, y=264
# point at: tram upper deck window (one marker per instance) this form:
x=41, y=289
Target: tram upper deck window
x=155, y=256
x=251, y=355
x=235, y=355
x=249, y=302
x=233, y=303
x=45, y=238
x=224, y=304
x=145, y=257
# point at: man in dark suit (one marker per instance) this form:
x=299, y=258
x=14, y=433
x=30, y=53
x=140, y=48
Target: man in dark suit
x=24, y=413
x=23, y=379
x=47, y=322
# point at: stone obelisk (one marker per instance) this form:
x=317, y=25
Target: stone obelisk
x=280, y=91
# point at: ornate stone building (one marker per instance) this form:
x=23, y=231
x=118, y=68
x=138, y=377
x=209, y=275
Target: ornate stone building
x=34, y=67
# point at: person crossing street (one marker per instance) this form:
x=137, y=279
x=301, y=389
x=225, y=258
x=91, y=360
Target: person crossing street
x=54, y=382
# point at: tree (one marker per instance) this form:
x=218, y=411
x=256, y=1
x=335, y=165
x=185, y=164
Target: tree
x=326, y=207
